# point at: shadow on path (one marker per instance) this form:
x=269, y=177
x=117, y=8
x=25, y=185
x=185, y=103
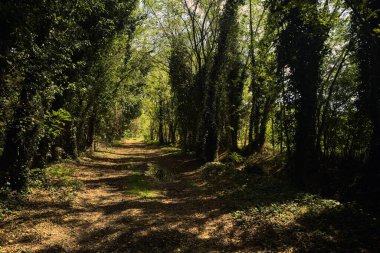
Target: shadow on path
x=104, y=218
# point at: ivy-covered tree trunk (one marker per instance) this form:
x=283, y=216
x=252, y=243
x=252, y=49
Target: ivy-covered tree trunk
x=21, y=139
x=367, y=25
x=69, y=143
x=373, y=91
x=236, y=81
x=40, y=159
x=307, y=81
x=213, y=87
x=261, y=135
x=253, y=121
x=172, y=132
x=196, y=138
x=91, y=131
x=161, y=138
x=302, y=50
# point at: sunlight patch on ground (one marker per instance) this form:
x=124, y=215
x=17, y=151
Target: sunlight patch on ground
x=138, y=185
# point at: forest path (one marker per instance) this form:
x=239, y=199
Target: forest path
x=119, y=209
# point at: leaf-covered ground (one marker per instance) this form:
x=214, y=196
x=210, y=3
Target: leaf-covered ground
x=139, y=198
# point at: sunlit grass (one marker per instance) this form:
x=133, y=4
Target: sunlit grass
x=170, y=149
x=138, y=185
x=60, y=171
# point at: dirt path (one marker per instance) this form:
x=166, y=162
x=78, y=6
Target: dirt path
x=179, y=216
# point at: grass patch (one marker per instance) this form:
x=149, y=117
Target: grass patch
x=151, y=142
x=139, y=185
x=170, y=149
x=117, y=143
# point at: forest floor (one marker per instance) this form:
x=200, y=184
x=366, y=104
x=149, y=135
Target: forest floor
x=118, y=207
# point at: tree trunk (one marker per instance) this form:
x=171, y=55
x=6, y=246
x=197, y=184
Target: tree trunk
x=326, y=106
x=172, y=137
x=69, y=143
x=253, y=82
x=305, y=69
x=161, y=138
x=251, y=122
x=91, y=131
x=211, y=144
x=20, y=141
x=373, y=162
x=260, y=141
x=236, y=79
x=40, y=159
x=369, y=97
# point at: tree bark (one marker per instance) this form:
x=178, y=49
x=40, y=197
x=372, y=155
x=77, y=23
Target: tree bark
x=21, y=139
x=161, y=138
x=369, y=95
x=260, y=141
x=69, y=143
x=305, y=65
x=212, y=104
x=91, y=130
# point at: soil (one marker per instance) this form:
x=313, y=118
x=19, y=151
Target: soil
x=104, y=217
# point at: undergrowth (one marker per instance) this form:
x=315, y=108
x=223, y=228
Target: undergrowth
x=275, y=217
x=308, y=223
x=10, y=201
x=158, y=173
x=58, y=180
x=234, y=159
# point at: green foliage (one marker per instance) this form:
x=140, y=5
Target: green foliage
x=158, y=173
x=208, y=76
x=55, y=122
x=212, y=170
x=234, y=158
x=63, y=68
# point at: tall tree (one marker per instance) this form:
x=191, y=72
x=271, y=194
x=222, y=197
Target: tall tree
x=366, y=23
x=33, y=43
x=55, y=49
x=213, y=86
x=301, y=50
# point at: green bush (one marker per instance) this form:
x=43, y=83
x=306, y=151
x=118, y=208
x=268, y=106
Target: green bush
x=55, y=122
x=213, y=169
x=158, y=173
x=234, y=158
